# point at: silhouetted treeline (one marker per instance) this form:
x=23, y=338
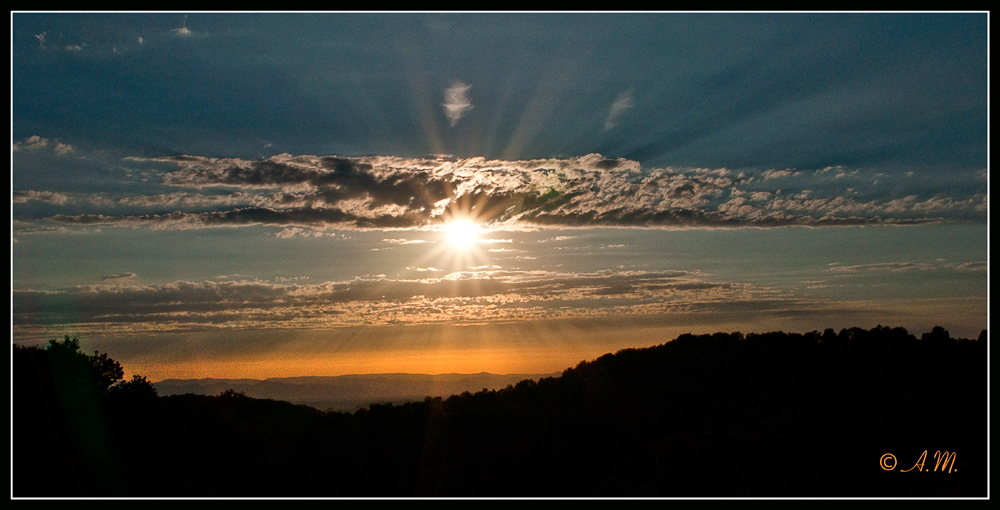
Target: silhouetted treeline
x=756, y=415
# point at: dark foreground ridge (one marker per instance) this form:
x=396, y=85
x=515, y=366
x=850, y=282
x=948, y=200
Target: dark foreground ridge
x=347, y=393
x=859, y=413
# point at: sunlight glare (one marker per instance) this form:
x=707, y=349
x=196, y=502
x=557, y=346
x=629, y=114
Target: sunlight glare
x=462, y=233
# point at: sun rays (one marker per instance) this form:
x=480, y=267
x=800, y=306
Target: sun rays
x=459, y=244
x=463, y=227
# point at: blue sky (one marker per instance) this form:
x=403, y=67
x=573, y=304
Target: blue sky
x=269, y=190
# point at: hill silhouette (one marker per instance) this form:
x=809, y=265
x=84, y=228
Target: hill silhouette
x=756, y=415
x=347, y=393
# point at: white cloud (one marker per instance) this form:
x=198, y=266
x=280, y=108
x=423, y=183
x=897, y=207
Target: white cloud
x=557, y=238
x=183, y=31
x=777, y=174
x=404, y=241
x=289, y=233
x=389, y=193
x=31, y=143
x=20, y=197
x=119, y=276
x=456, y=101
x=624, y=102
x=37, y=142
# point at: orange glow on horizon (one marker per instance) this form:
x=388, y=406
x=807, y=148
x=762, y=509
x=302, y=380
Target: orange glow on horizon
x=526, y=348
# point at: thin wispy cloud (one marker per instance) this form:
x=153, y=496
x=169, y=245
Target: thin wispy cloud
x=897, y=267
x=476, y=294
x=119, y=276
x=622, y=103
x=183, y=199
x=404, y=241
x=20, y=197
x=456, y=102
x=183, y=30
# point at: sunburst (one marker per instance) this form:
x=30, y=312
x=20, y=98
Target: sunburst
x=462, y=234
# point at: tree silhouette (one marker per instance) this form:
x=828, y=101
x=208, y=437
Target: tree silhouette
x=937, y=334
x=136, y=389
x=107, y=371
x=59, y=404
x=68, y=368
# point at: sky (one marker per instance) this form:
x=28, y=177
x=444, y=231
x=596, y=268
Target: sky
x=281, y=194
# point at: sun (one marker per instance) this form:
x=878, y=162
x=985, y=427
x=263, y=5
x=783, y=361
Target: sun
x=462, y=234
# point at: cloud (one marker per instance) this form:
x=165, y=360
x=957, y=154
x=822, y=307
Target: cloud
x=404, y=241
x=981, y=265
x=888, y=266
x=623, y=103
x=379, y=192
x=24, y=227
x=182, y=31
x=182, y=199
x=20, y=197
x=557, y=238
x=777, y=174
x=36, y=142
x=456, y=102
x=487, y=293
x=119, y=276
x=290, y=232
x=897, y=267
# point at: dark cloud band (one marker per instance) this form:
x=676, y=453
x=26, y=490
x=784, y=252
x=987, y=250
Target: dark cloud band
x=392, y=193
x=505, y=295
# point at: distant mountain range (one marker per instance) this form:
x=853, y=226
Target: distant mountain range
x=348, y=393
